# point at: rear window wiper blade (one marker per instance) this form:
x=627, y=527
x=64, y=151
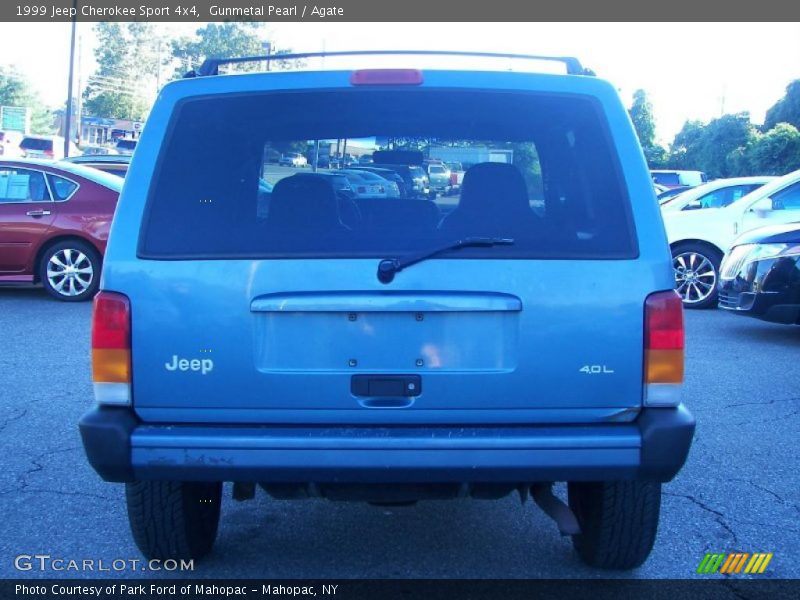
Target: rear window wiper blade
x=389, y=267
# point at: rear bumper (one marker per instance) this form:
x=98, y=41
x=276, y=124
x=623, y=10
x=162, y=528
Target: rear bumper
x=122, y=448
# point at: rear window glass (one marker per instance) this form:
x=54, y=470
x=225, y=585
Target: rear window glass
x=126, y=144
x=667, y=178
x=557, y=193
x=36, y=144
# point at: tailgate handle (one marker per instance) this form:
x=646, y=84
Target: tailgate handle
x=404, y=301
x=386, y=386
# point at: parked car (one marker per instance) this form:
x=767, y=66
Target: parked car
x=294, y=159
x=366, y=159
x=438, y=178
x=494, y=351
x=760, y=274
x=326, y=161
x=389, y=174
x=46, y=146
x=126, y=146
x=54, y=223
x=456, y=175
x=700, y=238
x=414, y=177
x=116, y=164
x=678, y=178
x=99, y=151
x=364, y=185
x=715, y=194
x=9, y=144
x=388, y=188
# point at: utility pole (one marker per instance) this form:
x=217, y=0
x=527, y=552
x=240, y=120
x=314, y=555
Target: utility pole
x=268, y=47
x=79, y=114
x=722, y=101
x=68, y=116
x=158, y=68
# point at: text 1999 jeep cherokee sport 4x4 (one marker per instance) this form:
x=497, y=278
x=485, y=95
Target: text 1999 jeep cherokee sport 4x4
x=258, y=326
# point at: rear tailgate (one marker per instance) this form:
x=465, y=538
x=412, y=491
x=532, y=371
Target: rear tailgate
x=237, y=319
x=527, y=351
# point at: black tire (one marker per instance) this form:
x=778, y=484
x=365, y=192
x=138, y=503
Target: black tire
x=714, y=257
x=618, y=521
x=173, y=519
x=73, y=248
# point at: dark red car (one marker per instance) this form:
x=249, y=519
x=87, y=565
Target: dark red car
x=54, y=224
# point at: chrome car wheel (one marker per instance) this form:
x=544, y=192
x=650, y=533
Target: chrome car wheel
x=695, y=277
x=70, y=272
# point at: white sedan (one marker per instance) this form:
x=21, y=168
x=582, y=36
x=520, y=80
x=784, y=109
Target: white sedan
x=699, y=238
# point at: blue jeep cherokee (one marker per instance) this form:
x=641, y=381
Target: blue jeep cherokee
x=254, y=326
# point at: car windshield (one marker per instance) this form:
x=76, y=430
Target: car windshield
x=558, y=192
x=437, y=170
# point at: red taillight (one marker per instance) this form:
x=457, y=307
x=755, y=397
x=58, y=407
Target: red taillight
x=386, y=77
x=664, y=321
x=111, y=321
x=111, y=338
x=49, y=153
x=664, y=338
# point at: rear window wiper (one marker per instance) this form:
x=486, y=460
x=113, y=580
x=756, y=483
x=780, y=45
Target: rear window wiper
x=389, y=267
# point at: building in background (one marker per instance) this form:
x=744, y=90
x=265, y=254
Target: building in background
x=98, y=131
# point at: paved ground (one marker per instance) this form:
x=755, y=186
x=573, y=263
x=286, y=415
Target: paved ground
x=739, y=490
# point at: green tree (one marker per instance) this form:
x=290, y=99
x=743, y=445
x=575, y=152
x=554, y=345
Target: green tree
x=642, y=116
x=641, y=113
x=16, y=90
x=776, y=152
x=787, y=109
x=685, y=150
x=125, y=59
x=712, y=147
x=218, y=40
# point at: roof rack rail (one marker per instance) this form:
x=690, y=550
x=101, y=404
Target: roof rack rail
x=211, y=65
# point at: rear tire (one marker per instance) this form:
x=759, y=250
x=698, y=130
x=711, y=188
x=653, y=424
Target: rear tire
x=618, y=521
x=173, y=519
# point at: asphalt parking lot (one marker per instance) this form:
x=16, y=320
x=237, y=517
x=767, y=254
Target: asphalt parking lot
x=739, y=491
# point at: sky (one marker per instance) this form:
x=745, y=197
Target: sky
x=689, y=70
